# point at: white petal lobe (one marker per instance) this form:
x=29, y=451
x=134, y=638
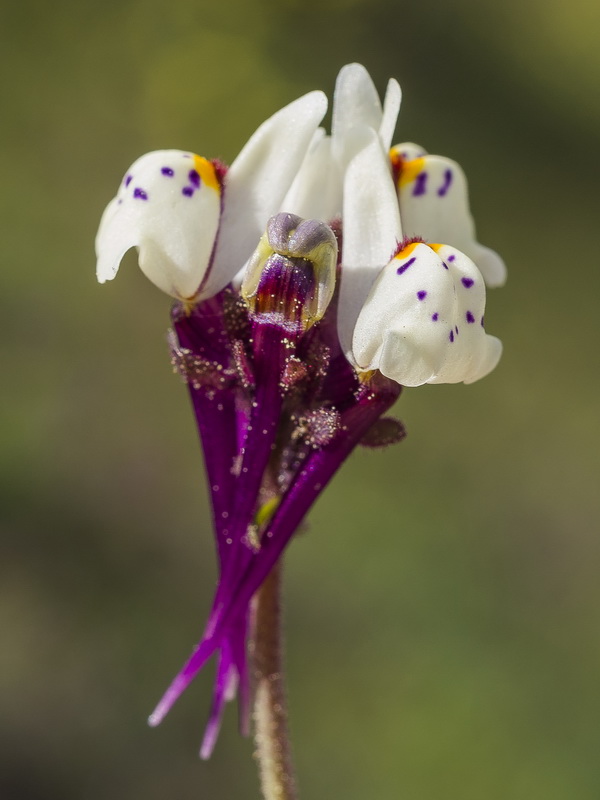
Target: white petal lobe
x=423, y=320
x=356, y=104
x=258, y=181
x=316, y=192
x=391, y=109
x=371, y=232
x=434, y=204
x=168, y=206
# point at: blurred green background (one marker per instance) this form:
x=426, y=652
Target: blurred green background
x=443, y=610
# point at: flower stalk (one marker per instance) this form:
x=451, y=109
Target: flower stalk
x=271, y=732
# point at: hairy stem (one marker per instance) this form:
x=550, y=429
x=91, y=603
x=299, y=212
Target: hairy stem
x=273, y=750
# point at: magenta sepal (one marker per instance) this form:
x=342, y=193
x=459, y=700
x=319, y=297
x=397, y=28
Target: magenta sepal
x=224, y=690
x=232, y=599
x=232, y=676
x=263, y=423
x=220, y=416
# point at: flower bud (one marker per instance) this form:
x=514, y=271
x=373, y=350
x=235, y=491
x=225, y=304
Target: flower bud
x=290, y=278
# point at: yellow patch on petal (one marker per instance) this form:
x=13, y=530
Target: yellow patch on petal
x=407, y=250
x=409, y=170
x=207, y=173
x=364, y=376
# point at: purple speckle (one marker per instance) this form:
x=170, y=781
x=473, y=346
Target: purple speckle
x=188, y=191
x=452, y=257
x=446, y=185
x=482, y=325
x=168, y=171
x=140, y=194
x=456, y=329
x=128, y=179
x=470, y=317
x=194, y=178
x=435, y=316
x=420, y=184
x=444, y=265
x=451, y=336
x=422, y=294
x=467, y=282
x=404, y=267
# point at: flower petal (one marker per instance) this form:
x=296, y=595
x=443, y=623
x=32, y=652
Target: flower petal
x=168, y=206
x=434, y=204
x=371, y=231
x=356, y=104
x=391, y=109
x=406, y=152
x=476, y=354
x=403, y=328
x=316, y=192
x=422, y=322
x=257, y=182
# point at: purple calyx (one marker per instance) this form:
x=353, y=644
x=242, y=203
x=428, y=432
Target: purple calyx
x=279, y=409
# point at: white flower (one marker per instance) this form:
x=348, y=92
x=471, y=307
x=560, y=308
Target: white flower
x=169, y=206
x=423, y=320
x=192, y=231
x=196, y=228
x=379, y=325
x=434, y=204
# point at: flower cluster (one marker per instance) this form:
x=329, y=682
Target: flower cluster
x=314, y=278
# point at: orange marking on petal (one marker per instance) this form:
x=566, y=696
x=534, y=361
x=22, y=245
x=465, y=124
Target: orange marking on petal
x=410, y=169
x=396, y=157
x=407, y=250
x=207, y=172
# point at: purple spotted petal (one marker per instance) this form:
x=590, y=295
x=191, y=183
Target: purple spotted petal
x=402, y=269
